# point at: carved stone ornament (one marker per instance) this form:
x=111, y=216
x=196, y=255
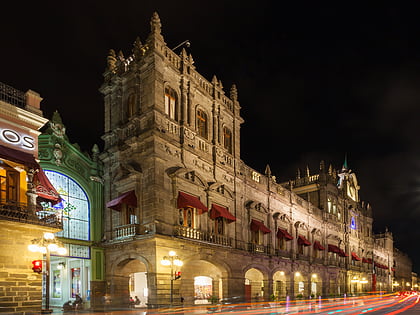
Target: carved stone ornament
x=58, y=154
x=189, y=134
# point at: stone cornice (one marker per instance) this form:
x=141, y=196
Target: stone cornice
x=29, y=119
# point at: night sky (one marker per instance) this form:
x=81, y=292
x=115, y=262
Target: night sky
x=314, y=82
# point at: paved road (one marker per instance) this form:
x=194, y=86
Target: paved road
x=352, y=306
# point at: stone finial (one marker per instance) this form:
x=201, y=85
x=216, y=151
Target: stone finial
x=111, y=60
x=191, y=59
x=121, y=55
x=214, y=80
x=234, y=93
x=155, y=25
x=220, y=84
x=298, y=173
x=138, y=50
x=330, y=170
x=184, y=53
x=268, y=170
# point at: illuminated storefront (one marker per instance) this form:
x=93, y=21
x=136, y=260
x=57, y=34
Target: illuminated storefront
x=76, y=178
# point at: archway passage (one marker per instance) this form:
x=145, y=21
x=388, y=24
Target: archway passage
x=254, y=285
x=202, y=282
x=280, y=285
x=130, y=280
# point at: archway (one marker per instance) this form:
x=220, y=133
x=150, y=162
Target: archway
x=203, y=282
x=280, y=285
x=129, y=279
x=254, y=285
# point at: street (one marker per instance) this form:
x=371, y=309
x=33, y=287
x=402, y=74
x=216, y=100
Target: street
x=381, y=304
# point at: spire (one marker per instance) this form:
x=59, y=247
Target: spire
x=268, y=170
x=214, y=80
x=345, y=167
x=307, y=171
x=111, y=60
x=298, y=173
x=322, y=166
x=155, y=25
x=233, y=93
x=138, y=49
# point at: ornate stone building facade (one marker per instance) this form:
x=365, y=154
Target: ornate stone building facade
x=22, y=188
x=175, y=181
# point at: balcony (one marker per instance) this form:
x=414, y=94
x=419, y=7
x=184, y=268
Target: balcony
x=255, y=248
x=302, y=257
x=125, y=231
x=283, y=253
x=19, y=212
x=190, y=233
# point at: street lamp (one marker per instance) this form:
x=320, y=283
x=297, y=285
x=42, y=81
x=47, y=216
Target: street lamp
x=172, y=260
x=46, y=245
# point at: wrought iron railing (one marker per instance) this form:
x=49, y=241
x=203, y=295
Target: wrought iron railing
x=20, y=212
x=12, y=96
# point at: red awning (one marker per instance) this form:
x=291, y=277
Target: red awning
x=367, y=260
x=335, y=249
x=185, y=200
x=303, y=241
x=283, y=233
x=354, y=256
x=219, y=211
x=392, y=269
x=318, y=246
x=18, y=157
x=44, y=188
x=259, y=226
x=128, y=198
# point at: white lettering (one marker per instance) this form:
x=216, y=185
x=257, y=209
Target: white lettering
x=15, y=138
x=28, y=142
x=11, y=135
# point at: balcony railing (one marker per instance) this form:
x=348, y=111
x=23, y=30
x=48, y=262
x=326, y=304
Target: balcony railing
x=12, y=96
x=283, y=253
x=124, y=231
x=256, y=248
x=19, y=212
x=187, y=232
x=302, y=257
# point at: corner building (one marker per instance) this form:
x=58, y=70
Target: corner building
x=174, y=180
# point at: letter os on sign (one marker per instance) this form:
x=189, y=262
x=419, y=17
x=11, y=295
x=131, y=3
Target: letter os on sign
x=12, y=137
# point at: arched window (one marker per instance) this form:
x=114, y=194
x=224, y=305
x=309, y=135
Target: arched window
x=171, y=103
x=74, y=205
x=201, y=123
x=131, y=105
x=227, y=139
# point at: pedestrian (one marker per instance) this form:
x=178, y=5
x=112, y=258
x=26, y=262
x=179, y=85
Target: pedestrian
x=136, y=300
x=131, y=302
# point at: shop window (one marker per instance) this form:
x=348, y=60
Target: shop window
x=201, y=123
x=9, y=185
x=171, y=103
x=227, y=139
x=186, y=217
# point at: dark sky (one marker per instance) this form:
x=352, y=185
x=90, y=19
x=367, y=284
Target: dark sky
x=314, y=82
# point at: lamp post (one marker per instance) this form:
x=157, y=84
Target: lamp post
x=45, y=245
x=172, y=260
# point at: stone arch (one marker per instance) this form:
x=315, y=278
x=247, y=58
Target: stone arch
x=256, y=284
x=127, y=272
x=203, y=279
x=281, y=283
